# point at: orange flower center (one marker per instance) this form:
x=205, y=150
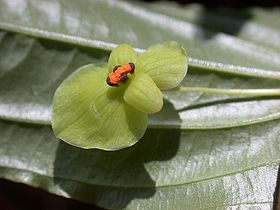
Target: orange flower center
x=120, y=73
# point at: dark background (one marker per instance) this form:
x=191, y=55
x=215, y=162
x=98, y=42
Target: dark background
x=230, y=3
x=15, y=196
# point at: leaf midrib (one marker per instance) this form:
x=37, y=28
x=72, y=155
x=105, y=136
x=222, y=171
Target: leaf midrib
x=86, y=42
x=46, y=121
x=197, y=63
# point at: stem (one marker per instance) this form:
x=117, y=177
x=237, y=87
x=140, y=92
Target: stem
x=241, y=92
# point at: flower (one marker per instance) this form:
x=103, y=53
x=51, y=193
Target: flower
x=106, y=106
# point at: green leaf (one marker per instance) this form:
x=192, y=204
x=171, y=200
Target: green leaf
x=174, y=169
x=234, y=166
x=121, y=55
x=166, y=64
x=226, y=20
x=90, y=114
x=26, y=95
x=74, y=23
x=143, y=94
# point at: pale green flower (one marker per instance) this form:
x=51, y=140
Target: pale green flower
x=89, y=113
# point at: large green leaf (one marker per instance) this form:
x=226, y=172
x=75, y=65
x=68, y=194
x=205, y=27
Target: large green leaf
x=32, y=69
x=171, y=167
x=252, y=25
x=84, y=23
x=167, y=169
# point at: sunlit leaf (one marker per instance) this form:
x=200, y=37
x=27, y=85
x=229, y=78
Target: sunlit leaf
x=234, y=166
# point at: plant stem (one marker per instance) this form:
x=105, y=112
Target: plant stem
x=241, y=92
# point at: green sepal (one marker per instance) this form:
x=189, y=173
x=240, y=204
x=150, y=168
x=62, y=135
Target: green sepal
x=88, y=113
x=165, y=63
x=143, y=94
x=121, y=55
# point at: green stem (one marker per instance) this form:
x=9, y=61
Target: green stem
x=240, y=92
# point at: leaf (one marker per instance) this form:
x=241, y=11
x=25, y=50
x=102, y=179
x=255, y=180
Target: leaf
x=253, y=24
x=174, y=169
x=26, y=96
x=88, y=113
x=234, y=166
x=72, y=22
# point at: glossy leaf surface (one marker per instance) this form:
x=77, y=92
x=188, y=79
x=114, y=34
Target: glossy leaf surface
x=170, y=168
x=26, y=96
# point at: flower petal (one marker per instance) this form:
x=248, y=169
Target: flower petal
x=165, y=63
x=88, y=113
x=121, y=55
x=143, y=94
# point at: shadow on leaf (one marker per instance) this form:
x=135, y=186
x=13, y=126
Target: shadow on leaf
x=221, y=20
x=113, y=179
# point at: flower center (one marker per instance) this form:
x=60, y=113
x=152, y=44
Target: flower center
x=120, y=73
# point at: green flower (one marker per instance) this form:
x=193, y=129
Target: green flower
x=89, y=113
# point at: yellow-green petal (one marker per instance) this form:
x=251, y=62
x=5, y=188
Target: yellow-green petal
x=121, y=55
x=166, y=64
x=88, y=113
x=143, y=94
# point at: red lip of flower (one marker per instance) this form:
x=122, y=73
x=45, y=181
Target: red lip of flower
x=106, y=107
x=120, y=73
